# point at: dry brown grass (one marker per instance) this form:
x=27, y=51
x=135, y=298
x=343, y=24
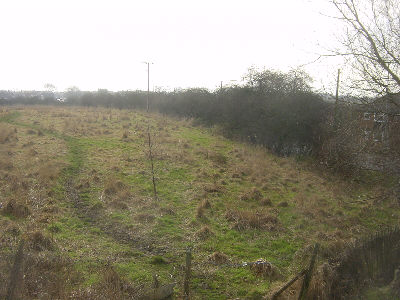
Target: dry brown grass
x=217, y=158
x=213, y=188
x=145, y=217
x=32, y=152
x=266, y=202
x=218, y=258
x=16, y=209
x=7, y=134
x=201, y=208
x=113, y=186
x=204, y=233
x=125, y=135
x=248, y=219
x=265, y=269
x=37, y=241
x=46, y=276
x=49, y=172
x=110, y=287
x=253, y=194
x=168, y=211
x=116, y=193
x=6, y=165
x=119, y=204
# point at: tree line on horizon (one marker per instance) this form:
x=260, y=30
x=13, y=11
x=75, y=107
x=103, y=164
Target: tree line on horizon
x=274, y=109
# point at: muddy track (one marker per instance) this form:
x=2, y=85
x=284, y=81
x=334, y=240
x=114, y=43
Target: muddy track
x=96, y=217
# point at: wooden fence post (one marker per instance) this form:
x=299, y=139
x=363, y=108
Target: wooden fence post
x=307, y=277
x=188, y=273
x=288, y=284
x=15, y=274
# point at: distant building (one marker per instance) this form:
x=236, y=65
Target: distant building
x=380, y=133
x=380, y=119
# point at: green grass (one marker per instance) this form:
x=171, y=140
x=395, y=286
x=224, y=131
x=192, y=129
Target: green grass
x=188, y=161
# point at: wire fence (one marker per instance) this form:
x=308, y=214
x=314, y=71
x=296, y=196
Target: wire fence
x=367, y=260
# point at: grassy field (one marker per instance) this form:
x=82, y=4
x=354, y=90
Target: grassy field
x=75, y=183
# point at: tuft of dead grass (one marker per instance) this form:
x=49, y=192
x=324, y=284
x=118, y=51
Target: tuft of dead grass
x=218, y=258
x=283, y=204
x=213, y=188
x=168, y=211
x=37, y=241
x=113, y=186
x=16, y=209
x=7, y=134
x=119, y=204
x=266, y=269
x=266, y=202
x=49, y=172
x=204, y=233
x=217, y=158
x=253, y=194
x=145, y=217
x=203, y=205
x=249, y=219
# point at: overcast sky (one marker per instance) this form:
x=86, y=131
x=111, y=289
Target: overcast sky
x=102, y=44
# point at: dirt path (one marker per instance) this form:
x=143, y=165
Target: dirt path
x=96, y=217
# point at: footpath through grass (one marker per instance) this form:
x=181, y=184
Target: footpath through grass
x=229, y=202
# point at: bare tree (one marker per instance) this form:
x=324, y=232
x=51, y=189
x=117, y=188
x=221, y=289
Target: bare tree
x=371, y=43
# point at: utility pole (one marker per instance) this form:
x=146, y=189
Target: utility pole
x=148, y=83
x=149, y=141
x=232, y=80
x=337, y=98
x=337, y=86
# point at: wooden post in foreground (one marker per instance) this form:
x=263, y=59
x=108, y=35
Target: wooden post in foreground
x=15, y=274
x=307, y=277
x=186, y=286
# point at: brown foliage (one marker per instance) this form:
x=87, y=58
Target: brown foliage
x=266, y=269
x=204, y=233
x=248, y=219
x=48, y=172
x=37, y=241
x=203, y=205
x=266, y=202
x=218, y=258
x=253, y=194
x=113, y=186
x=16, y=209
x=7, y=134
x=217, y=158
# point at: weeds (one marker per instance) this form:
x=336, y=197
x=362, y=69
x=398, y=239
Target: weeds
x=16, y=209
x=247, y=219
x=252, y=204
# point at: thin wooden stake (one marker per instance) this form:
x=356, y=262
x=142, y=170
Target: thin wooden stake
x=188, y=273
x=150, y=144
x=288, y=284
x=15, y=275
x=307, y=277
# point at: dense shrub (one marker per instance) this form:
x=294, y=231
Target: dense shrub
x=274, y=109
